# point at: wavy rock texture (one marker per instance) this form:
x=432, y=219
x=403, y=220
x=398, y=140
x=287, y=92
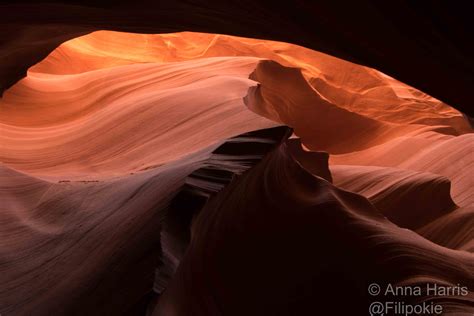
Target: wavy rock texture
x=395, y=101
x=417, y=43
x=409, y=199
x=288, y=247
x=156, y=175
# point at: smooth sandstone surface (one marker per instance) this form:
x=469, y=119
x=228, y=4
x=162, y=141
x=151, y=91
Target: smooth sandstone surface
x=101, y=138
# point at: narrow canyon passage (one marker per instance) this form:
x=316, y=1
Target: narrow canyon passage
x=206, y=174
